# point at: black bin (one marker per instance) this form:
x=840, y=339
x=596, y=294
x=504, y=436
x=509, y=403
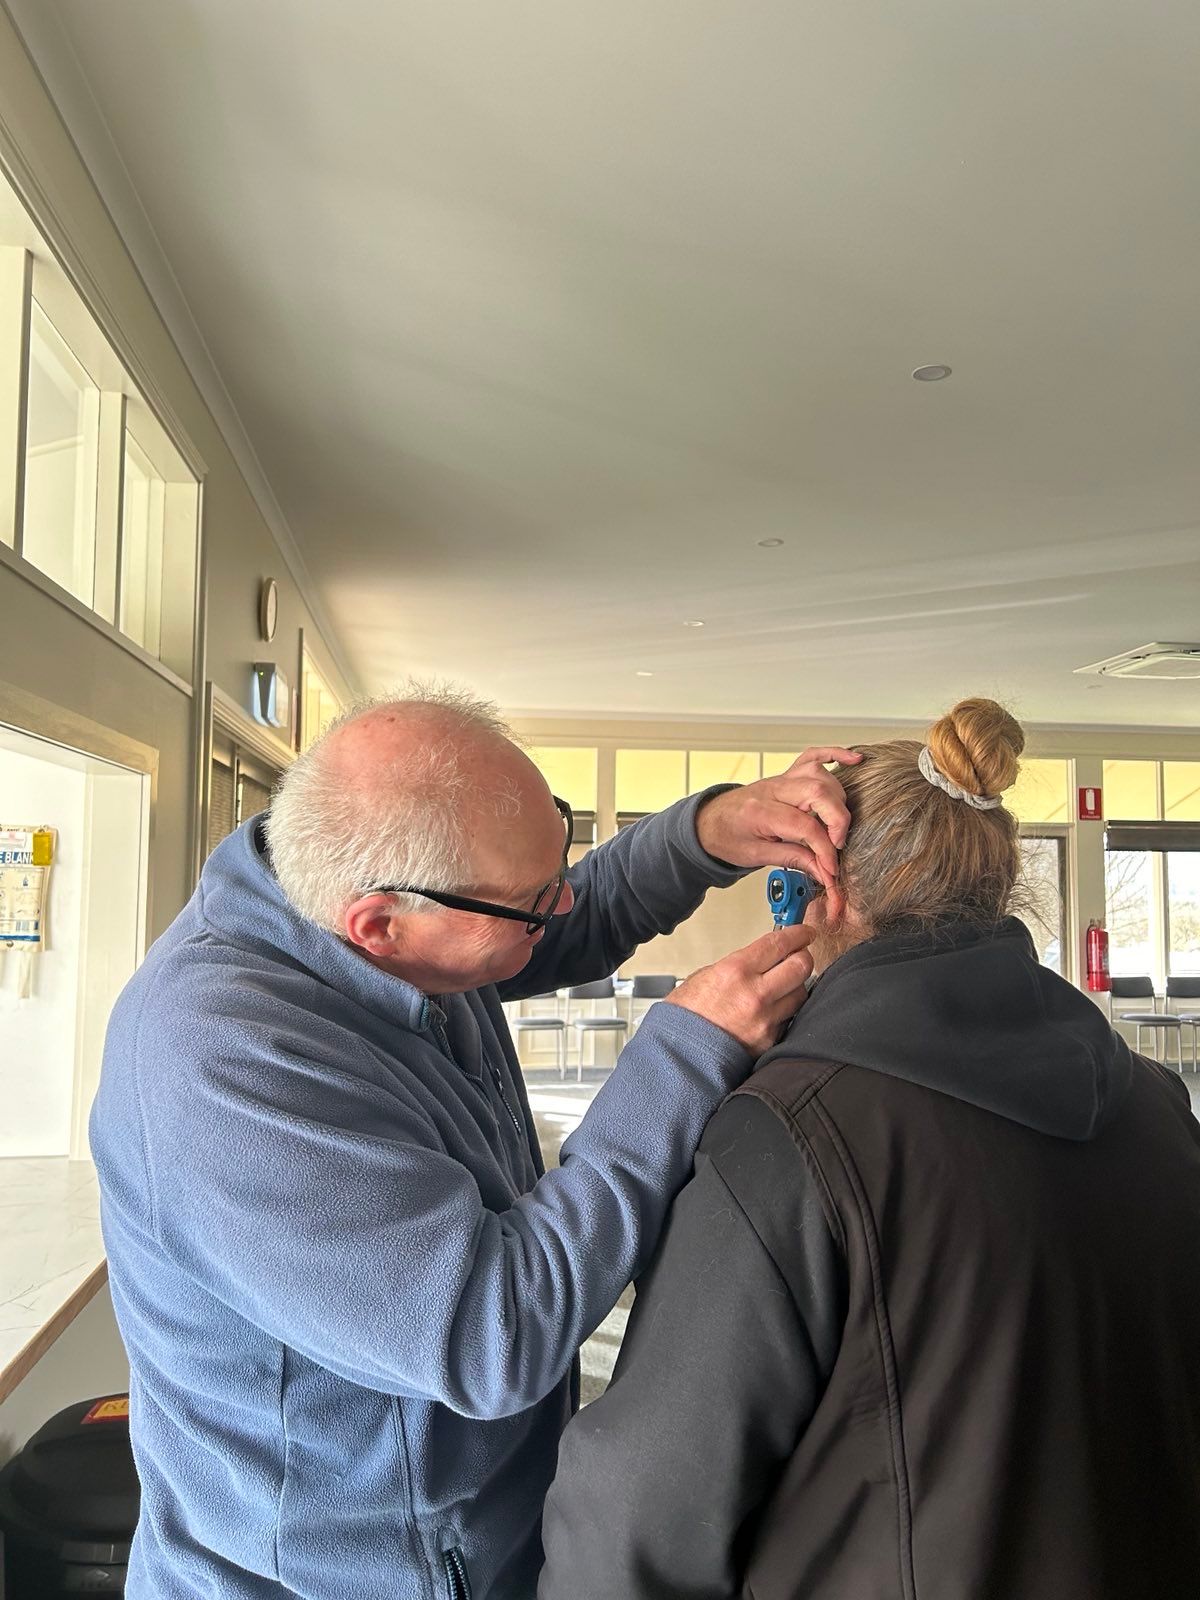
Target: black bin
x=69, y=1504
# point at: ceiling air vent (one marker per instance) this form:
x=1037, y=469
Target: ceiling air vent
x=1151, y=661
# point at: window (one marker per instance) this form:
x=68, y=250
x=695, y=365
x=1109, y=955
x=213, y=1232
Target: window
x=106, y=508
x=1183, y=912
x=61, y=448
x=1130, y=903
x=240, y=777
x=1045, y=879
x=1131, y=791
x=773, y=763
x=648, y=780
x=1181, y=791
x=706, y=767
x=570, y=773
x=1040, y=793
x=318, y=703
x=143, y=522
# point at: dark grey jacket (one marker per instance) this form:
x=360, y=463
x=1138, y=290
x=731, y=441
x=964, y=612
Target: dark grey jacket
x=924, y=1325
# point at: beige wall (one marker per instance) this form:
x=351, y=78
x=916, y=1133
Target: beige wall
x=47, y=650
x=60, y=673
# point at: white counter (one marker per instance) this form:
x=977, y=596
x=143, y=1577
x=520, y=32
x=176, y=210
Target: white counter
x=51, y=1256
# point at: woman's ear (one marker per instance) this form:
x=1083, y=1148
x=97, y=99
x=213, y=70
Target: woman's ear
x=835, y=906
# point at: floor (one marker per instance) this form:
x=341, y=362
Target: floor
x=557, y=1109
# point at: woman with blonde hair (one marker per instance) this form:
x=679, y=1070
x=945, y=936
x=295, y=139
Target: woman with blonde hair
x=925, y=1324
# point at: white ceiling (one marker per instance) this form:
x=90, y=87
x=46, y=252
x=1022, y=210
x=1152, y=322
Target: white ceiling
x=540, y=316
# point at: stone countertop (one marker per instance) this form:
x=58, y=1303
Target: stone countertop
x=51, y=1256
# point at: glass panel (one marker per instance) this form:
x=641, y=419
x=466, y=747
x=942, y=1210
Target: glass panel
x=319, y=706
x=60, y=462
x=143, y=520
x=1129, y=910
x=1183, y=900
x=1131, y=791
x=1181, y=791
x=571, y=774
x=773, y=763
x=1044, y=883
x=648, y=780
x=706, y=767
x=1040, y=792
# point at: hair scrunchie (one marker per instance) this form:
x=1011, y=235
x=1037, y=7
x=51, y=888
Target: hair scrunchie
x=932, y=774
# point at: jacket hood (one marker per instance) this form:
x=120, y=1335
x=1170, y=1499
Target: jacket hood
x=970, y=1012
x=240, y=897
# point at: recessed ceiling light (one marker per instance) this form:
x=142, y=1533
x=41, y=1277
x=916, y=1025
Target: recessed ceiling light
x=641, y=674
x=769, y=544
x=694, y=622
x=932, y=374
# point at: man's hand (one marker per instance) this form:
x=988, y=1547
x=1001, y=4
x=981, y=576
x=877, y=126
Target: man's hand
x=753, y=992
x=796, y=820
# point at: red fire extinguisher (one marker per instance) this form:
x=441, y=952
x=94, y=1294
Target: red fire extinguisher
x=1098, y=979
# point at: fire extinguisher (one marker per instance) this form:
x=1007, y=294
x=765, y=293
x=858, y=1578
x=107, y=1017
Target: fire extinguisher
x=1098, y=979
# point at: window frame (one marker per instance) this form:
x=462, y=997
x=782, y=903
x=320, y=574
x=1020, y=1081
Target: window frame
x=1068, y=876
x=58, y=281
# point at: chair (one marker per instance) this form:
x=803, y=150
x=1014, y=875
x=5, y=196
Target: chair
x=1186, y=988
x=590, y=1026
x=554, y=1025
x=649, y=986
x=1159, y=1022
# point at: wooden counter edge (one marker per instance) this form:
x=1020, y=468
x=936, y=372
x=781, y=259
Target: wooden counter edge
x=23, y=1363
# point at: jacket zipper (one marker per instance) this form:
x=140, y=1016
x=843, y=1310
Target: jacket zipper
x=458, y=1585
x=443, y=1039
x=504, y=1099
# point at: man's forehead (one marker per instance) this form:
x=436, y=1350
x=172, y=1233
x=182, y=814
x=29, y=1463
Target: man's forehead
x=524, y=852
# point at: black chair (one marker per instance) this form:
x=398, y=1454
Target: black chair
x=1159, y=1022
x=649, y=986
x=544, y=1023
x=591, y=1026
x=1186, y=988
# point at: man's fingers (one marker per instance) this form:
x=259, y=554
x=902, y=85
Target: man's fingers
x=775, y=946
x=801, y=860
x=804, y=832
x=785, y=980
x=824, y=753
x=821, y=797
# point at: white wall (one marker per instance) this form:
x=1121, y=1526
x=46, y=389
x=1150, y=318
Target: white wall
x=37, y=1036
x=51, y=1043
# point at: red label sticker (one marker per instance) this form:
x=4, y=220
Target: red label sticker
x=1090, y=806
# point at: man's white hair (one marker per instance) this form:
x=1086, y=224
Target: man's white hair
x=335, y=833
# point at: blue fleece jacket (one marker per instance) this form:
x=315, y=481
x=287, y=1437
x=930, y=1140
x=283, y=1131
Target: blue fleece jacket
x=352, y=1299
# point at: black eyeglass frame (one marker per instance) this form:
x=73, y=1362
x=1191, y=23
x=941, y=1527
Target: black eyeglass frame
x=534, y=919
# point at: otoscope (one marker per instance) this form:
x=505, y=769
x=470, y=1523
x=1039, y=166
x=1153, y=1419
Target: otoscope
x=788, y=892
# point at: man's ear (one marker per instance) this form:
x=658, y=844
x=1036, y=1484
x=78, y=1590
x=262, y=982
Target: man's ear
x=368, y=924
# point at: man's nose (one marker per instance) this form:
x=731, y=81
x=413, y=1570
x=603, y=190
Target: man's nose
x=567, y=901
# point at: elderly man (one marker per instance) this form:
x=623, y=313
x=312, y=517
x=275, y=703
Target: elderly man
x=351, y=1296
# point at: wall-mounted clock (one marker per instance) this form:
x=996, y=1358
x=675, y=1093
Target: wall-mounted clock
x=268, y=609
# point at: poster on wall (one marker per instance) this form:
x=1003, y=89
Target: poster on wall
x=26, y=856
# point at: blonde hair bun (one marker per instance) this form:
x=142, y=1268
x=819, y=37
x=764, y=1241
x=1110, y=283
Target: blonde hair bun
x=977, y=745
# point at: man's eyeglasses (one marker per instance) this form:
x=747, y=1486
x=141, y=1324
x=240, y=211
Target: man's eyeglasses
x=545, y=902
